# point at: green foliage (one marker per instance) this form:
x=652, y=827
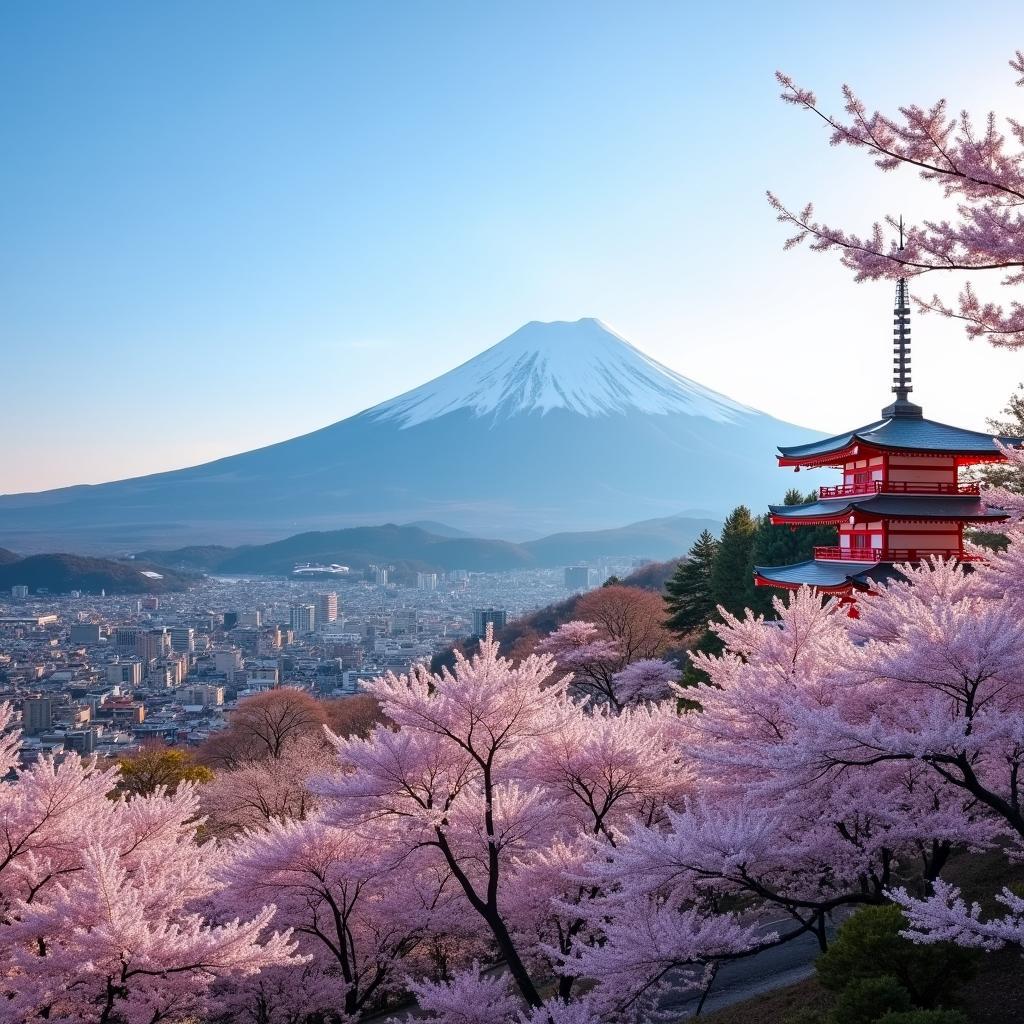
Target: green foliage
x=864, y=1000
x=730, y=570
x=805, y=1015
x=924, y=1017
x=151, y=767
x=687, y=596
x=782, y=545
x=612, y=581
x=1009, y=423
x=869, y=945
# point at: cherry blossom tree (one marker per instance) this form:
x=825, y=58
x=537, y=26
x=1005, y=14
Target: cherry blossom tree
x=100, y=915
x=357, y=906
x=839, y=759
x=498, y=778
x=257, y=791
x=594, y=661
x=980, y=170
x=264, y=726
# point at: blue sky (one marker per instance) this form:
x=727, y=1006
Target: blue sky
x=227, y=224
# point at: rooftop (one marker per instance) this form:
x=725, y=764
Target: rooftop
x=899, y=433
x=962, y=508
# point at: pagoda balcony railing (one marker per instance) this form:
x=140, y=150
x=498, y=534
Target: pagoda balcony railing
x=841, y=554
x=898, y=487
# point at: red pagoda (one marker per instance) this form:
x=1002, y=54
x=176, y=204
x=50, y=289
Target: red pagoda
x=901, y=499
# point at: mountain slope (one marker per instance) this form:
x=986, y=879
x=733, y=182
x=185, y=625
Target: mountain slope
x=61, y=573
x=417, y=549
x=560, y=427
x=357, y=548
x=670, y=537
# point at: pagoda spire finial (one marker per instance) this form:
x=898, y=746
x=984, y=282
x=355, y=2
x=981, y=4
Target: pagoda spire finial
x=901, y=385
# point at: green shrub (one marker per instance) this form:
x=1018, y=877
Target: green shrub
x=869, y=945
x=864, y=1000
x=804, y=1016
x=924, y=1017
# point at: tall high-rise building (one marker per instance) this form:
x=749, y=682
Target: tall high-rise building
x=252, y=620
x=37, y=715
x=327, y=607
x=183, y=638
x=426, y=581
x=484, y=617
x=230, y=620
x=381, y=577
x=302, y=618
x=151, y=644
x=19, y=592
x=126, y=638
x=577, y=577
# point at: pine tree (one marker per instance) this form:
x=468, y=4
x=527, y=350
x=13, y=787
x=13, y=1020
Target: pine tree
x=1009, y=423
x=782, y=545
x=730, y=572
x=687, y=596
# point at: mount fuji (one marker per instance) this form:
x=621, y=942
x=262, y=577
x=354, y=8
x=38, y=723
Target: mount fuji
x=561, y=426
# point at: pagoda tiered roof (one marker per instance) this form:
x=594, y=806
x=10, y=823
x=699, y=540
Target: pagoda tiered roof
x=900, y=433
x=828, y=576
x=874, y=507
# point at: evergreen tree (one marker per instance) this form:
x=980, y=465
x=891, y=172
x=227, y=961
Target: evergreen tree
x=687, y=596
x=731, y=568
x=1009, y=423
x=783, y=545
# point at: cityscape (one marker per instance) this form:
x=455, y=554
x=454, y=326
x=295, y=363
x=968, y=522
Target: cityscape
x=102, y=675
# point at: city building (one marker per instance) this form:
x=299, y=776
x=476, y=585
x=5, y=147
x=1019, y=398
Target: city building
x=183, y=638
x=125, y=673
x=302, y=618
x=126, y=638
x=151, y=644
x=85, y=633
x=901, y=498
x=227, y=662
x=326, y=608
x=204, y=695
x=251, y=619
x=577, y=577
x=484, y=617
x=426, y=581
x=381, y=577
x=37, y=715
x=19, y=592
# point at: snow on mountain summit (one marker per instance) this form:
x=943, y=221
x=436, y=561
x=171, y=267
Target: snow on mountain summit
x=582, y=366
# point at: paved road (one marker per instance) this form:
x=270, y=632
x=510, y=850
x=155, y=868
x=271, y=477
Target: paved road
x=743, y=979
x=735, y=981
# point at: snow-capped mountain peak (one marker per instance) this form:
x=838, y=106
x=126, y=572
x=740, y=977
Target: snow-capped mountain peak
x=582, y=366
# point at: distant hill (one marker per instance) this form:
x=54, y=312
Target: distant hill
x=408, y=546
x=60, y=573
x=438, y=529
x=414, y=548
x=6, y=557
x=653, y=538
x=206, y=557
